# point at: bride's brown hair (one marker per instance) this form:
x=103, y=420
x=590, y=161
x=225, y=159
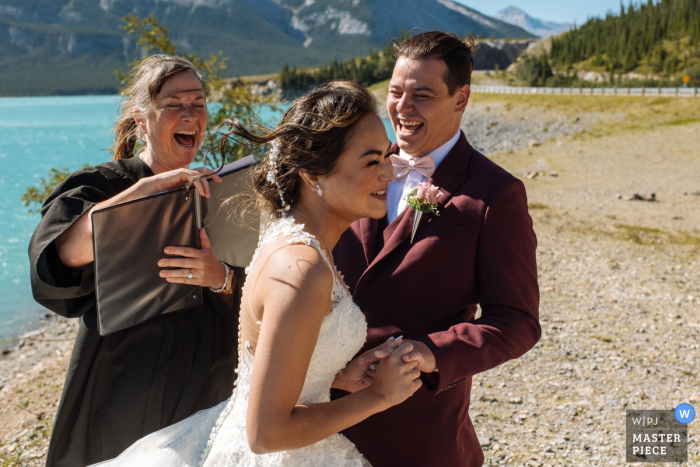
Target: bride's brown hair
x=311, y=136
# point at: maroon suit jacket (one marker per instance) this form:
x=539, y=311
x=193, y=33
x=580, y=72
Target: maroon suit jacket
x=481, y=249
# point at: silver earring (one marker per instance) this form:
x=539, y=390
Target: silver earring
x=319, y=191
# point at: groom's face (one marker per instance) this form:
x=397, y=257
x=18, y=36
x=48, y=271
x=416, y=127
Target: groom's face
x=424, y=114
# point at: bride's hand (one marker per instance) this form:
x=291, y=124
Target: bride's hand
x=357, y=374
x=394, y=380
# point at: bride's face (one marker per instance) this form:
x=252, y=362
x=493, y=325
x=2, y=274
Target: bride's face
x=357, y=187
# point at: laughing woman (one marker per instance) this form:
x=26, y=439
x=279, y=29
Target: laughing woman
x=126, y=385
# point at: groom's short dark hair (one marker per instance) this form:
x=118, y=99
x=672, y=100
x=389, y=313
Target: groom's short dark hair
x=455, y=51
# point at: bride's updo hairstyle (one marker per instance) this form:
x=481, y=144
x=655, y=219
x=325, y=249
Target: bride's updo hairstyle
x=311, y=136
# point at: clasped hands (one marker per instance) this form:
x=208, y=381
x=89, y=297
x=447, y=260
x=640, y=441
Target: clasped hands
x=358, y=374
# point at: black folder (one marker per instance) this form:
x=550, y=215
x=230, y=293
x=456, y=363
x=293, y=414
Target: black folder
x=129, y=238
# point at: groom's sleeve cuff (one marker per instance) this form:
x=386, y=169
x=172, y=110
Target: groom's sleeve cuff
x=435, y=381
x=430, y=380
x=450, y=374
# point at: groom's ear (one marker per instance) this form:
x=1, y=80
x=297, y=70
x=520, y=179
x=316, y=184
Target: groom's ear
x=308, y=179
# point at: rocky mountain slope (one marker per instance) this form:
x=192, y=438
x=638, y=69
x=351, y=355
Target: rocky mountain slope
x=78, y=43
x=532, y=25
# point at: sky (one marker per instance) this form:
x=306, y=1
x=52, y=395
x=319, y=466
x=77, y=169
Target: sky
x=559, y=11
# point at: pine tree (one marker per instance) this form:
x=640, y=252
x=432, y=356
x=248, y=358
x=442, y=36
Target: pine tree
x=376, y=67
x=636, y=35
x=630, y=61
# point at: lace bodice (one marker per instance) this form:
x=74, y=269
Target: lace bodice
x=343, y=332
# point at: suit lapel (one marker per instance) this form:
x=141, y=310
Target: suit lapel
x=395, y=234
x=368, y=229
x=448, y=176
x=452, y=173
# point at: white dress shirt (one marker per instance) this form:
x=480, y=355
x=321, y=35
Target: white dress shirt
x=399, y=188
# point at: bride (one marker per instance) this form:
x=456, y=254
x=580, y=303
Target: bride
x=299, y=327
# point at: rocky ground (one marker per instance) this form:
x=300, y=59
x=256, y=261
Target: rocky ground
x=31, y=380
x=619, y=280
x=620, y=287
x=497, y=127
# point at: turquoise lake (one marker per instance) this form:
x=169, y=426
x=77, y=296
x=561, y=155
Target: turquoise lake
x=37, y=133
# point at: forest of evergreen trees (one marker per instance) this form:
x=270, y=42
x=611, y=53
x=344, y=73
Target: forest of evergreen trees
x=362, y=70
x=661, y=38
x=658, y=39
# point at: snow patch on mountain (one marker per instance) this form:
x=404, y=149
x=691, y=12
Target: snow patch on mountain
x=542, y=28
x=342, y=21
x=10, y=10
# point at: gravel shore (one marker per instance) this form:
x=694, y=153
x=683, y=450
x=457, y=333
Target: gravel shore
x=31, y=379
x=620, y=286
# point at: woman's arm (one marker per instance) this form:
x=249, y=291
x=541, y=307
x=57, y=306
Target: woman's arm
x=75, y=244
x=295, y=296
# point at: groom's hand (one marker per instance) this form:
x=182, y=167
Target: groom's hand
x=422, y=355
x=357, y=374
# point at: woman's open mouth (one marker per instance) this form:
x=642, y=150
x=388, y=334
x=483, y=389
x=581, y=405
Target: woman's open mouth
x=381, y=195
x=409, y=127
x=186, y=138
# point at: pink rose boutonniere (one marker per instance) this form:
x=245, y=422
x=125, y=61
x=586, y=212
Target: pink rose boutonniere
x=422, y=199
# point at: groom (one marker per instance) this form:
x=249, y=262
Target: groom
x=479, y=250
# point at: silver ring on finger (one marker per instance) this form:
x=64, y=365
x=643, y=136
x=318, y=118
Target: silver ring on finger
x=371, y=366
x=190, y=275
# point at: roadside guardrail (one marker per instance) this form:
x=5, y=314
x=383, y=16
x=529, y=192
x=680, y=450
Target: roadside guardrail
x=668, y=92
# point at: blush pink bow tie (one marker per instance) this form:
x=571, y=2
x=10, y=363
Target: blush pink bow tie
x=424, y=165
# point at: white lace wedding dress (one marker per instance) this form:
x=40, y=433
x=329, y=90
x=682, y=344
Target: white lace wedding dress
x=217, y=437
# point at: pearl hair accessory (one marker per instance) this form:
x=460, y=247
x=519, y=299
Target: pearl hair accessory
x=319, y=191
x=271, y=176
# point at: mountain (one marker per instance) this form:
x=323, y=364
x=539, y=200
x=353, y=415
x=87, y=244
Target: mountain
x=532, y=25
x=73, y=46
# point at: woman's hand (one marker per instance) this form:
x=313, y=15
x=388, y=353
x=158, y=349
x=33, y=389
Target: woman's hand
x=177, y=179
x=394, y=380
x=206, y=270
x=357, y=374
x=75, y=244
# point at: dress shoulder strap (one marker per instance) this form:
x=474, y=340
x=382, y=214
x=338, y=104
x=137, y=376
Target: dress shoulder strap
x=293, y=233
